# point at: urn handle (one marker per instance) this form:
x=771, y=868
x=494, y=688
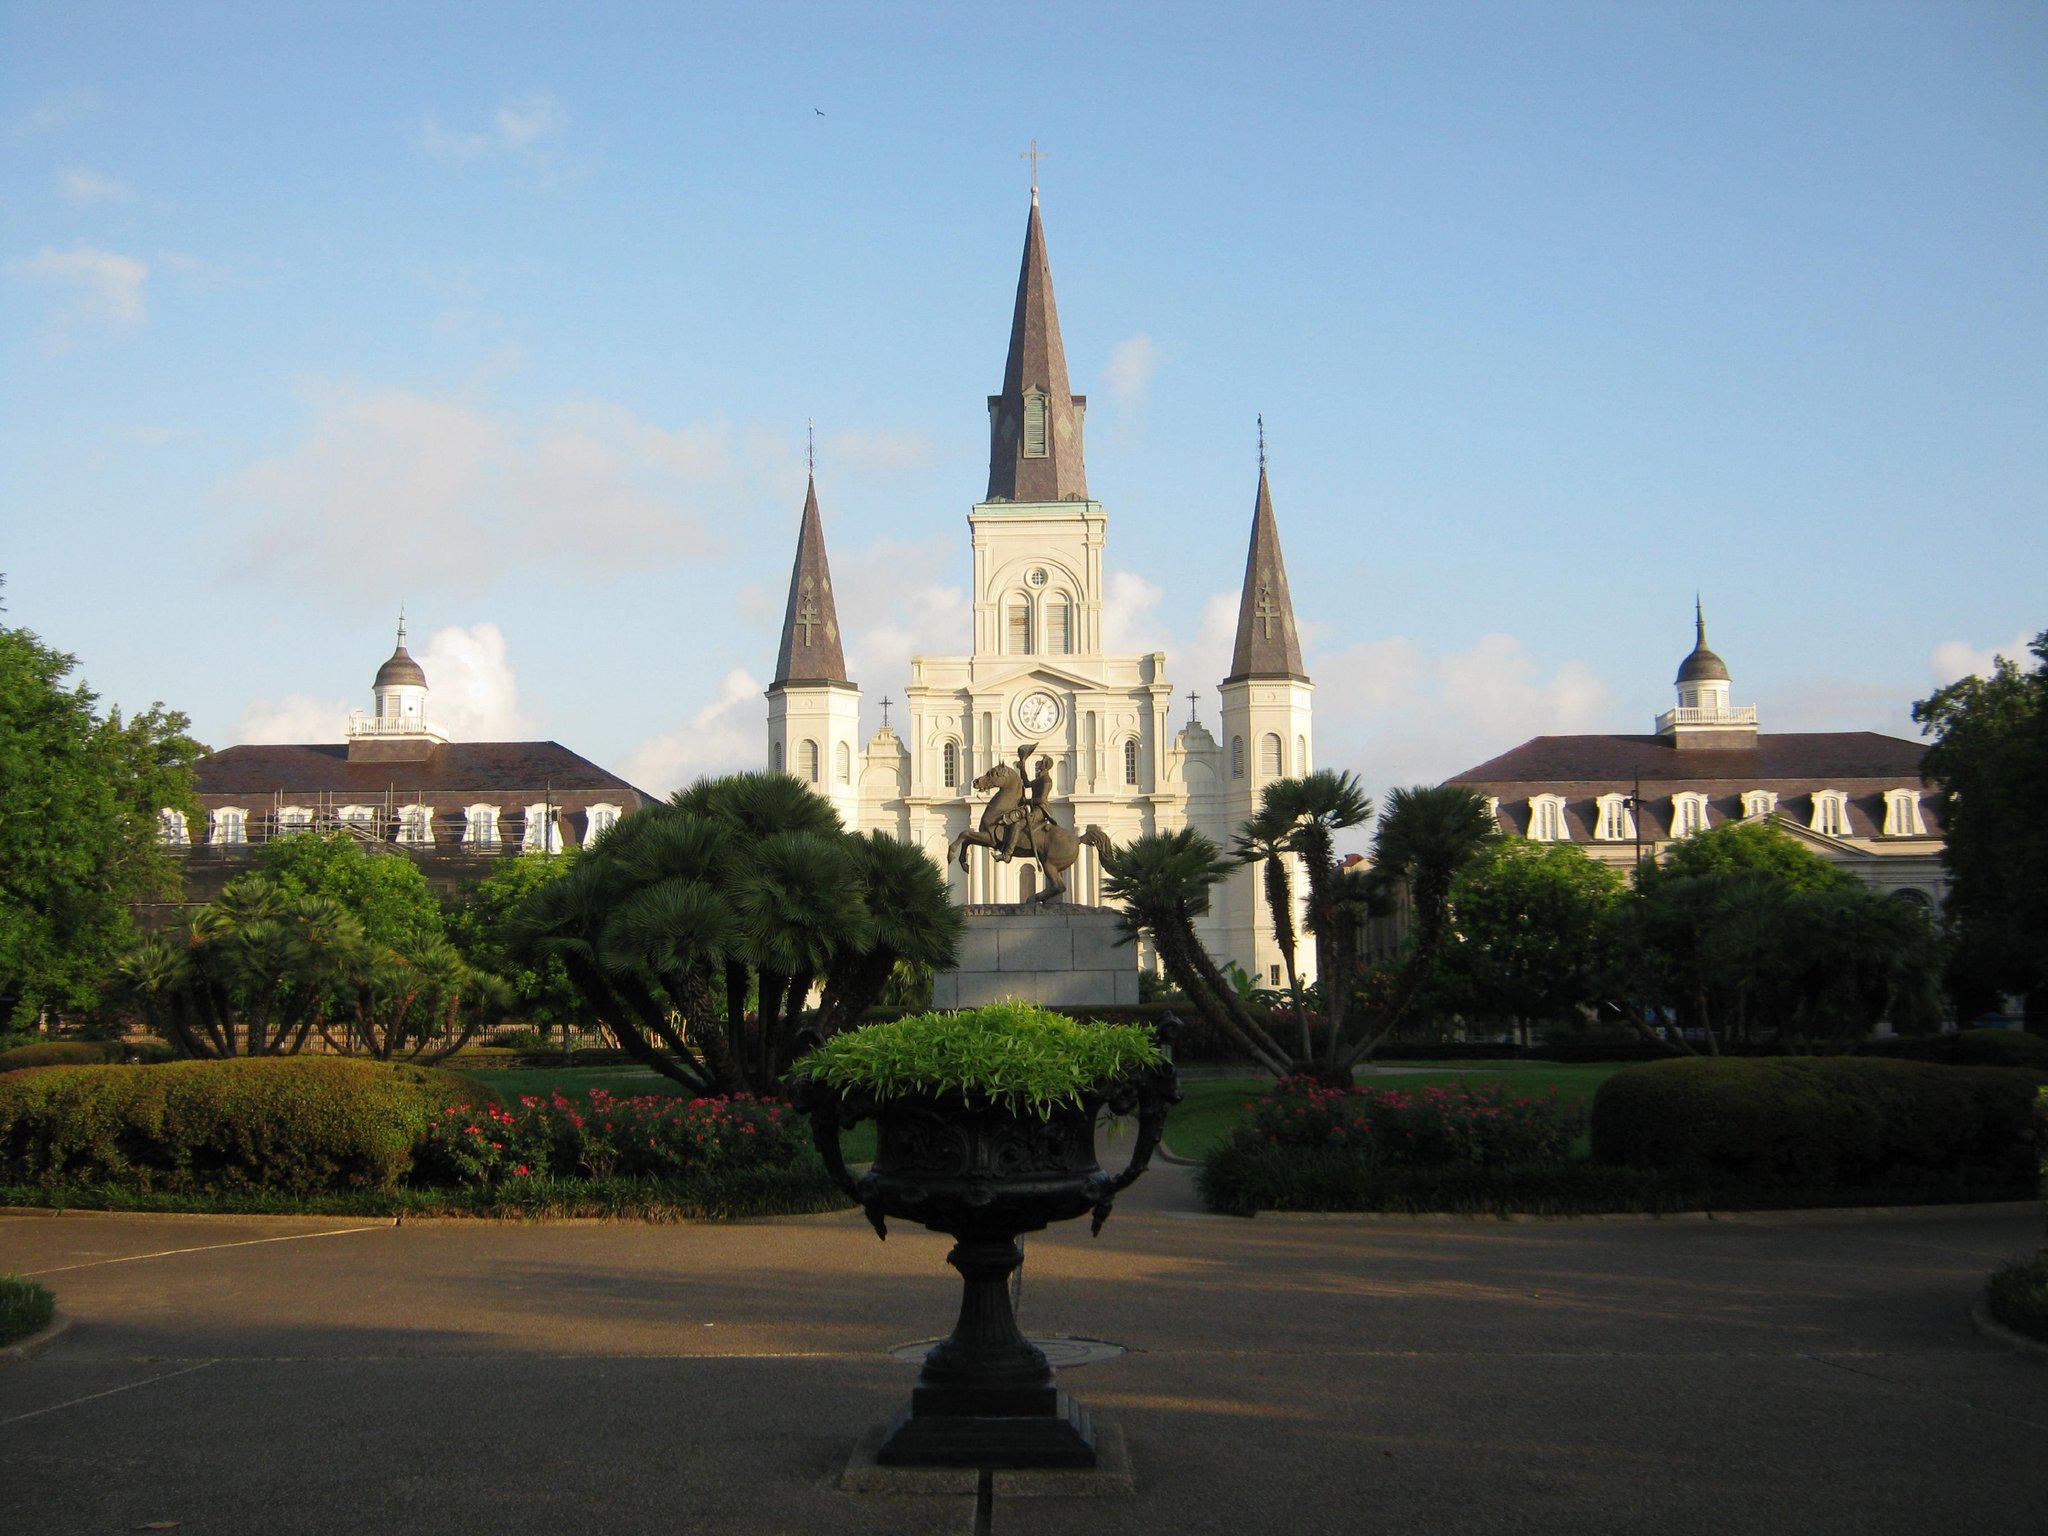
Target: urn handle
x=830, y=1113
x=1151, y=1093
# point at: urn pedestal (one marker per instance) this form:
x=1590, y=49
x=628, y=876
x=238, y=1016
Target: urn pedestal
x=985, y=1175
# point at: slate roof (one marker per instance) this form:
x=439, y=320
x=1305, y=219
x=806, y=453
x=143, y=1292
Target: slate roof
x=400, y=669
x=1037, y=361
x=481, y=767
x=810, y=621
x=1267, y=645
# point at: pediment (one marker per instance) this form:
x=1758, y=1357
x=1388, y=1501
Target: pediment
x=1801, y=832
x=1039, y=672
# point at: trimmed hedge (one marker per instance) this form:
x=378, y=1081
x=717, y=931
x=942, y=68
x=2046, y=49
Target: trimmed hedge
x=62, y=1053
x=1817, y=1120
x=296, y=1124
x=25, y=1308
x=1965, y=1048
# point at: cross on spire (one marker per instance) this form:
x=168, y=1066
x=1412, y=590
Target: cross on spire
x=1267, y=612
x=807, y=609
x=1262, y=442
x=1193, y=699
x=1034, y=155
x=810, y=446
x=885, y=712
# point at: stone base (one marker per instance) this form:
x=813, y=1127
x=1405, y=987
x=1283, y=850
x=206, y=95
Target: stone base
x=1061, y=956
x=1110, y=1477
x=1061, y=1437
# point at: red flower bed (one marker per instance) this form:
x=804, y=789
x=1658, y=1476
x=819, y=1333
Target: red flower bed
x=1478, y=1126
x=599, y=1137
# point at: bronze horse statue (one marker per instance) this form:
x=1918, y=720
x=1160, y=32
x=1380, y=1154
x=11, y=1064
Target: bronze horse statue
x=1055, y=848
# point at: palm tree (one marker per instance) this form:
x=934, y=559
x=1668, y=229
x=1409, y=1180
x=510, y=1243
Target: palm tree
x=1162, y=882
x=1265, y=840
x=914, y=923
x=1425, y=836
x=797, y=903
x=1314, y=808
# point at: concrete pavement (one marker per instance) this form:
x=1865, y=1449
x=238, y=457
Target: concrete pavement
x=1772, y=1375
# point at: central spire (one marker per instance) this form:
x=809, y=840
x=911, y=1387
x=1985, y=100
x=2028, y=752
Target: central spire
x=810, y=623
x=1035, y=423
x=1267, y=644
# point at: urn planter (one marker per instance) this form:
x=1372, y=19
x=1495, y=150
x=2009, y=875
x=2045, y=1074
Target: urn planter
x=985, y=1174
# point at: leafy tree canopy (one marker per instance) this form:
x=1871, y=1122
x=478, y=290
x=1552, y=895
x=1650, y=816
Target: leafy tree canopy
x=79, y=797
x=385, y=893
x=1761, y=847
x=1528, y=920
x=480, y=924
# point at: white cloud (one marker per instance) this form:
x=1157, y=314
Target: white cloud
x=894, y=603
x=472, y=695
x=1132, y=363
x=52, y=114
x=1954, y=660
x=521, y=122
x=523, y=134
x=728, y=734
x=449, y=490
x=102, y=290
x=80, y=184
x=452, y=146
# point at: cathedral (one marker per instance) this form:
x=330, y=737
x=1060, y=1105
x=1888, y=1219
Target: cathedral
x=1034, y=675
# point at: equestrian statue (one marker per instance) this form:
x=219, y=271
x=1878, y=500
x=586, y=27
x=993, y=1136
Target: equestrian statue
x=1018, y=819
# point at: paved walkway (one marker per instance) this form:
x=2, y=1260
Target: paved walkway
x=281, y=1376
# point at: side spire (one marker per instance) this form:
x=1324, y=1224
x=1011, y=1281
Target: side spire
x=810, y=624
x=1035, y=423
x=1267, y=645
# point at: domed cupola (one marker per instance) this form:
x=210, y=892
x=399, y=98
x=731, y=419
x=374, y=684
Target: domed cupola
x=1704, y=716
x=397, y=725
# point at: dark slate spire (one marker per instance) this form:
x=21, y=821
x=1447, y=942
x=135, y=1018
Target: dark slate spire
x=1035, y=423
x=1702, y=666
x=810, y=624
x=1267, y=645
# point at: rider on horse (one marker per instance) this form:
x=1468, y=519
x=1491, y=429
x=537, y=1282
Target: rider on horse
x=1019, y=826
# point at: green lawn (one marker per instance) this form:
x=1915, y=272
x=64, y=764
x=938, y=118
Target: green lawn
x=1210, y=1108
x=25, y=1308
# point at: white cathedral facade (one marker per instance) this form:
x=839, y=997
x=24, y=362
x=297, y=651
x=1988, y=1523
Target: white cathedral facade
x=1035, y=672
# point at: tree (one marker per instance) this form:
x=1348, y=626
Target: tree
x=79, y=800
x=480, y=926
x=1990, y=756
x=1528, y=923
x=1265, y=840
x=385, y=892
x=738, y=889
x=1162, y=883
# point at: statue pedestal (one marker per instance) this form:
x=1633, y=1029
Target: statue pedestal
x=1057, y=955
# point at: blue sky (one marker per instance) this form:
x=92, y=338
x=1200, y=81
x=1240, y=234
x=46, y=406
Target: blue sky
x=516, y=313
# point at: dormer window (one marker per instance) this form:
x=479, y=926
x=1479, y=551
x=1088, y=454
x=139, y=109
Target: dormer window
x=295, y=818
x=1034, y=425
x=172, y=830
x=361, y=818
x=1758, y=803
x=416, y=826
x=543, y=834
x=480, y=826
x=1830, y=813
x=1688, y=813
x=597, y=821
x=1902, y=814
x=1616, y=822
x=230, y=827
x=1546, y=819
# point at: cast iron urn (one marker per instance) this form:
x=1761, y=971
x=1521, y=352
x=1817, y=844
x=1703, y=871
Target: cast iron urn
x=984, y=1175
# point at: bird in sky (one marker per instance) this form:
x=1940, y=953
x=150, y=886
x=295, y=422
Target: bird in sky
x=819, y=110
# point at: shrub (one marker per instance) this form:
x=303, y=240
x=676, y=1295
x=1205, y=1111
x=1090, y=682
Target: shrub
x=61, y=1053
x=601, y=1137
x=296, y=1124
x=1815, y=1120
x=1481, y=1127
x=1966, y=1048
x=2018, y=1297
x=1014, y=1054
x=25, y=1308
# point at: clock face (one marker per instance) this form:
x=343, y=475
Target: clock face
x=1038, y=712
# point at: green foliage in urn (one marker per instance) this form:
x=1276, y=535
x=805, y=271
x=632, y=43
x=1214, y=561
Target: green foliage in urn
x=1015, y=1055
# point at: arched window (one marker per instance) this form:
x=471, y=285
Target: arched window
x=949, y=765
x=775, y=757
x=807, y=761
x=230, y=826
x=842, y=763
x=1131, y=761
x=1301, y=754
x=597, y=821
x=172, y=830
x=480, y=826
x=1034, y=426
x=1546, y=819
x=1059, y=626
x=543, y=831
x=1237, y=757
x=416, y=826
x=1902, y=814
x=1830, y=813
x=1758, y=802
x=1270, y=766
x=1616, y=822
x=1688, y=813
x=1019, y=628
x=358, y=818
